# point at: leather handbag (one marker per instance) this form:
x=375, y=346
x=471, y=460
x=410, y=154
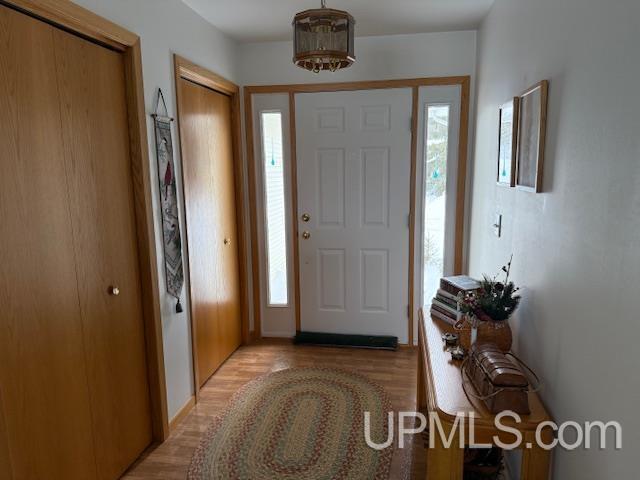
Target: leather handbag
x=498, y=381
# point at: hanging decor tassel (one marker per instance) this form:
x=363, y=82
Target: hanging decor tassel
x=169, y=203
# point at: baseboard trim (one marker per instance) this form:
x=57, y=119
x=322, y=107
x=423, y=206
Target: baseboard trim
x=278, y=335
x=182, y=413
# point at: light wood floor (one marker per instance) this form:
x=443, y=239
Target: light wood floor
x=395, y=371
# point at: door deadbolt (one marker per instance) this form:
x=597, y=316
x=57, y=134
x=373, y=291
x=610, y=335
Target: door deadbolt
x=306, y=217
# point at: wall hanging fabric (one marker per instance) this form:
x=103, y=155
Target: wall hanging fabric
x=169, y=202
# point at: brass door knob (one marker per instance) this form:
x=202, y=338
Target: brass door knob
x=306, y=235
x=227, y=241
x=114, y=291
x=306, y=217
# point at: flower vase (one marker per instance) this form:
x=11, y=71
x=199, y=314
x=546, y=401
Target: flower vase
x=474, y=331
x=496, y=333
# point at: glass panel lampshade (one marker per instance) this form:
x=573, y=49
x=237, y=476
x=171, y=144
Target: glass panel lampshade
x=323, y=40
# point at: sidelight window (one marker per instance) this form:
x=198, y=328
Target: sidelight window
x=275, y=221
x=435, y=189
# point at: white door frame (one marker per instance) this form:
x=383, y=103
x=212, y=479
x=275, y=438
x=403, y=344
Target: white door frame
x=415, y=84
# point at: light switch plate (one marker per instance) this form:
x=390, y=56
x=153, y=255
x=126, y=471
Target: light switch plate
x=497, y=225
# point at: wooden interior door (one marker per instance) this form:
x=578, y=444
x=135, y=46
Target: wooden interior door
x=91, y=87
x=209, y=190
x=43, y=380
x=73, y=381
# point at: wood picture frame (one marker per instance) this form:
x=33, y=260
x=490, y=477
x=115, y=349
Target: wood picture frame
x=507, y=142
x=532, y=124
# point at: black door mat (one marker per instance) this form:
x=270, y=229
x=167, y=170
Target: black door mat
x=375, y=342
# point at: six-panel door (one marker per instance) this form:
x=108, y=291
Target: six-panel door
x=354, y=161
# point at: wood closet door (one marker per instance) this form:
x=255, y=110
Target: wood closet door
x=91, y=85
x=209, y=189
x=73, y=381
x=44, y=393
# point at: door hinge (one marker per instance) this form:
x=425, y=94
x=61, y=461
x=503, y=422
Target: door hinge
x=409, y=220
x=408, y=310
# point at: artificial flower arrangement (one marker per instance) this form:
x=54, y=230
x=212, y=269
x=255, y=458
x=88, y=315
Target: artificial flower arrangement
x=494, y=301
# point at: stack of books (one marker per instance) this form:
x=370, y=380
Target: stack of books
x=445, y=304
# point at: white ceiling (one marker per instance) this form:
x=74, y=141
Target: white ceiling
x=268, y=20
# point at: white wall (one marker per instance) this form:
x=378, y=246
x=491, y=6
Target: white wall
x=167, y=27
x=576, y=246
x=377, y=58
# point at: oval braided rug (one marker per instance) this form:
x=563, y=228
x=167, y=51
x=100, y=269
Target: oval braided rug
x=301, y=423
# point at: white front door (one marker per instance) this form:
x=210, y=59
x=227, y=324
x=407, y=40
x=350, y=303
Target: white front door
x=354, y=163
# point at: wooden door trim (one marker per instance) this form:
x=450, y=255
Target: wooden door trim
x=80, y=21
x=69, y=16
x=186, y=70
x=253, y=215
x=294, y=206
x=361, y=85
x=413, y=184
x=190, y=71
x=463, y=150
x=414, y=84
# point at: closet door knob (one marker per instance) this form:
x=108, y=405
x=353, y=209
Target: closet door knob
x=114, y=291
x=227, y=241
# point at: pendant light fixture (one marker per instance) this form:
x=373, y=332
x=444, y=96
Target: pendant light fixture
x=323, y=39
